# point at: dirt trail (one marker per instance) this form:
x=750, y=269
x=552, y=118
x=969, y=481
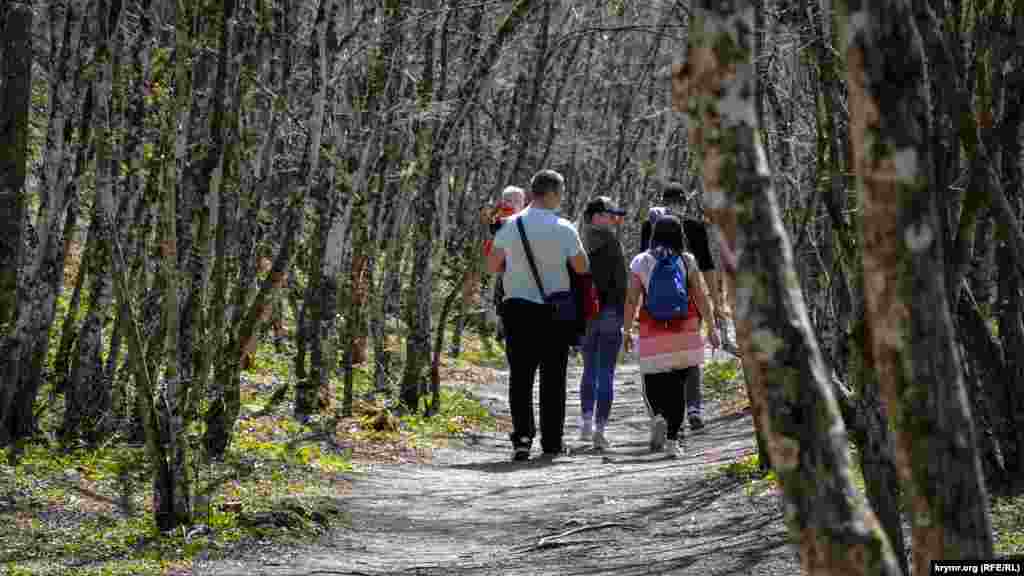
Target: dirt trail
x=473, y=512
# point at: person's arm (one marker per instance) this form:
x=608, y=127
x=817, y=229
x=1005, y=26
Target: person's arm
x=633, y=298
x=499, y=250
x=699, y=289
x=580, y=263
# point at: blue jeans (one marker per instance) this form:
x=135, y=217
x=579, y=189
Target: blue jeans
x=600, y=353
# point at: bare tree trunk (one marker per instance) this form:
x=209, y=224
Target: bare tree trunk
x=799, y=414
x=88, y=397
x=69, y=327
x=16, y=24
x=418, y=343
x=1006, y=388
x=910, y=328
x=313, y=394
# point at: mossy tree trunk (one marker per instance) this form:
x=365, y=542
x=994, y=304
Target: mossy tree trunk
x=798, y=413
x=242, y=256
x=15, y=90
x=313, y=393
x=875, y=448
x=1008, y=393
x=909, y=323
x=88, y=396
x=172, y=498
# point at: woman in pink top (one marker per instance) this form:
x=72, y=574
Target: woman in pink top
x=669, y=352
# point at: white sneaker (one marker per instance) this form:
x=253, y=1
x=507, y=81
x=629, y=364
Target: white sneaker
x=659, y=427
x=600, y=442
x=586, y=430
x=671, y=448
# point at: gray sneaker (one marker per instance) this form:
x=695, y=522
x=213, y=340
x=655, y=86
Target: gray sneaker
x=659, y=428
x=600, y=442
x=586, y=430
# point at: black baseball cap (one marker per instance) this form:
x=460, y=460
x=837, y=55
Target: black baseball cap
x=602, y=205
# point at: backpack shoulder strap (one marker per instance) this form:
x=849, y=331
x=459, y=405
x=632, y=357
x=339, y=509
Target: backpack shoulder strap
x=529, y=257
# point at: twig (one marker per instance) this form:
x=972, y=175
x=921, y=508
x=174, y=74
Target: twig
x=553, y=541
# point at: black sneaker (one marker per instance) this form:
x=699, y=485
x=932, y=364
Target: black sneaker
x=553, y=451
x=520, y=447
x=696, y=423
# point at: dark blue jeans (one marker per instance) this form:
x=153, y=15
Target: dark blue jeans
x=600, y=353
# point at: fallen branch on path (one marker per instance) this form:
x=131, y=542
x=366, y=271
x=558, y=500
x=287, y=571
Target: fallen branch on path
x=555, y=540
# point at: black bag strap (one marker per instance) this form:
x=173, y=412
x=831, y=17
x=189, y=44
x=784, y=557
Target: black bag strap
x=529, y=257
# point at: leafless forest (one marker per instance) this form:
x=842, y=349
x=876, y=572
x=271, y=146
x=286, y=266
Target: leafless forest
x=212, y=167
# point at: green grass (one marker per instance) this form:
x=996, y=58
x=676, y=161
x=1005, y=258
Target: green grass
x=748, y=469
x=1008, y=525
x=91, y=511
x=723, y=378
x=460, y=412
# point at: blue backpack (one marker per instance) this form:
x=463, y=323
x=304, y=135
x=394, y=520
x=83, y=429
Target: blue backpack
x=667, y=295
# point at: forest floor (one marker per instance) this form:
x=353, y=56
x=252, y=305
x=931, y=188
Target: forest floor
x=470, y=510
x=373, y=494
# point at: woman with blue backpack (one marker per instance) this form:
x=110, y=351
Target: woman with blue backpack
x=668, y=290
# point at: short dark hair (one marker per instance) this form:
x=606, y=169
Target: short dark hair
x=674, y=193
x=668, y=233
x=546, y=182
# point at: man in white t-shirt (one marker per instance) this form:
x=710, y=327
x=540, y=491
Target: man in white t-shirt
x=533, y=337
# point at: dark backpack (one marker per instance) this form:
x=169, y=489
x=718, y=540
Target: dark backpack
x=667, y=295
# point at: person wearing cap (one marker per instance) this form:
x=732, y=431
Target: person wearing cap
x=603, y=337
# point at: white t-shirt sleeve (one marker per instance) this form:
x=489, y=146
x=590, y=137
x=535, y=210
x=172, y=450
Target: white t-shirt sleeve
x=641, y=266
x=572, y=244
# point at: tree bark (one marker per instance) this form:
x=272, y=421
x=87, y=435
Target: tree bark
x=313, y=393
x=16, y=21
x=88, y=397
x=16, y=51
x=799, y=414
x=911, y=337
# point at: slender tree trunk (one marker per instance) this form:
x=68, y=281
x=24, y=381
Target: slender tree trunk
x=16, y=52
x=799, y=414
x=206, y=183
x=421, y=291
x=88, y=397
x=986, y=361
x=313, y=393
x=910, y=328
x=1006, y=389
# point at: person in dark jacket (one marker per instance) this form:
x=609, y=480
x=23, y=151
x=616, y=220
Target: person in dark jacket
x=603, y=337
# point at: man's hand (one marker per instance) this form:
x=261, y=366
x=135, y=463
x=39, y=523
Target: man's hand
x=716, y=342
x=487, y=214
x=627, y=341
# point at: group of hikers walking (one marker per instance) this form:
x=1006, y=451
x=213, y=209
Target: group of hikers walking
x=658, y=303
